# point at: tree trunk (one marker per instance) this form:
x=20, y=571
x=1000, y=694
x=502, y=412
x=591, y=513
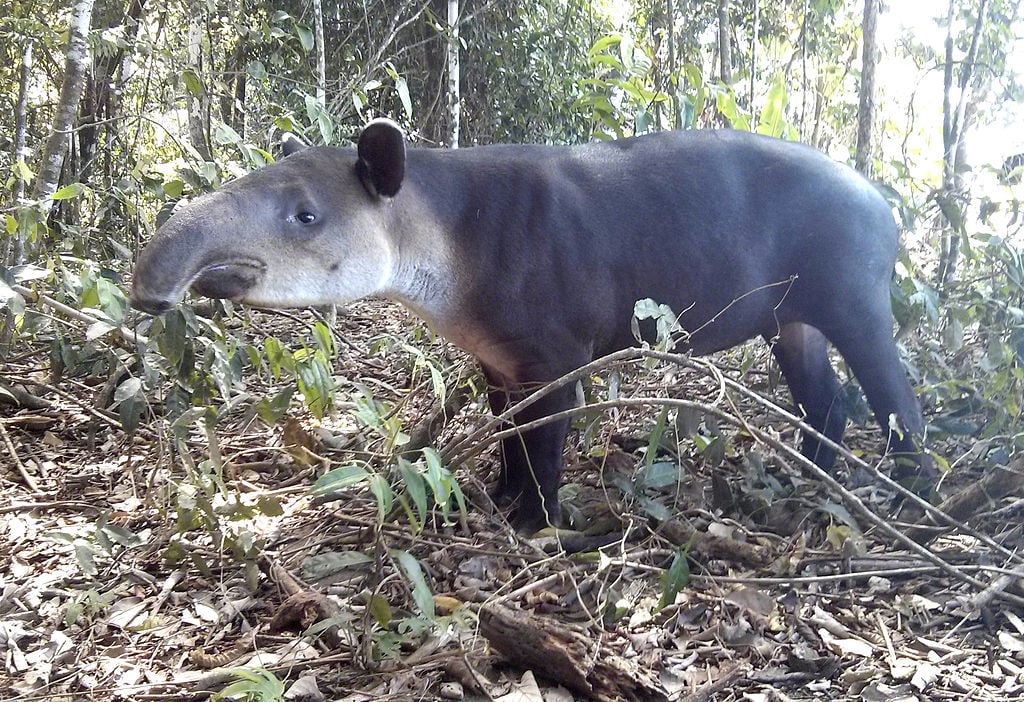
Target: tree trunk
x=866, y=111
x=803, y=84
x=75, y=71
x=321, y=53
x=673, y=84
x=454, y=96
x=724, y=41
x=753, y=59
x=953, y=198
x=198, y=105
x=14, y=252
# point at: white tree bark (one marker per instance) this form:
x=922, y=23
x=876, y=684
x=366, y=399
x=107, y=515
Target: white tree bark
x=198, y=105
x=75, y=70
x=321, y=53
x=454, y=96
x=866, y=111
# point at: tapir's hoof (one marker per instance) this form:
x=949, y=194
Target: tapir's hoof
x=504, y=496
x=528, y=521
x=919, y=476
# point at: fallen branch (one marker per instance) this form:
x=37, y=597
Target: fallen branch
x=976, y=498
x=713, y=547
x=578, y=660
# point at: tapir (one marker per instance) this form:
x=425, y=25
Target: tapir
x=532, y=258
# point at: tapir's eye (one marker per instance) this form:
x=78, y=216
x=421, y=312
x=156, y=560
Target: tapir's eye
x=305, y=217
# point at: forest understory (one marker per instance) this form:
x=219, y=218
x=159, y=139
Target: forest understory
x=699, y=574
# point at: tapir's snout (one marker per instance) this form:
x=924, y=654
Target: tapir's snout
x=198, y=249
x=223, y=279
x=149, y=305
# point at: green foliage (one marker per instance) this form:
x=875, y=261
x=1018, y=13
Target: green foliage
x=101, y=539
x=647, y=487
x=667, y=330
x=420, y=589
x=252, y=685
x=622, y=97
x=187, y=96
x=675, y=579
x=422, y=480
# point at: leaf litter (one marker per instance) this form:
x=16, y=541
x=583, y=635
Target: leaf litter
x=702, y=566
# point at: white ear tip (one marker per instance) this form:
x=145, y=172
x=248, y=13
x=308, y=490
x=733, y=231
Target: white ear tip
x=291, y=143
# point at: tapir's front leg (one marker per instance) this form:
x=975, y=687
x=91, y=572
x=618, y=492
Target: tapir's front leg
x=531, y=462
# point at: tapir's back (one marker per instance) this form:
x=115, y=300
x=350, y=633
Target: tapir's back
x=734, y=231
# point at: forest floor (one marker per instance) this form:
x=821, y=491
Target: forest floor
x=133, y=571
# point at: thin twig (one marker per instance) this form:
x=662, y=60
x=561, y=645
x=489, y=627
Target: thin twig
x=25, y=475
x=129, y=335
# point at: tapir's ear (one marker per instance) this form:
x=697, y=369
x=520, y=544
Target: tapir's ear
x=382, y=157
x=291, y=144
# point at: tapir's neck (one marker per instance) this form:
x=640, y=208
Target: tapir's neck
x=424, y=273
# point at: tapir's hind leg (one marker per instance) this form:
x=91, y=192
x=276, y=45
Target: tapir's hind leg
x=802, y=353
x=871, y=354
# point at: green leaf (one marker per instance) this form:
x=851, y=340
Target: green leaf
x=278, y=356
x=324, y=338
x=654, y=509
x=85, y=554
x=675, y=579
x=286, y=124
x=69, y=191
x=654, y=440
x=403, y=94
x=273, y=408
x=315, y=382
x=382, y=491
x=305, y=35
x=658, y=475
x=326, y=126
x=773, y=115
x=121, y=536
x=174, y=188
x=25, y=173
x=380, y=610
x=131, y=387
x=257, y=70
x=421, y=593
x=330, y=563
x=415, y=486
x=255, y=684
x=604, y=43
x=225, y=135
x=338, y=479
x=192, y=83
x=98, y=329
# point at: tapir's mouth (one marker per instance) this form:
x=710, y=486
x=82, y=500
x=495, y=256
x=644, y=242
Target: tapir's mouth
x=228, y=279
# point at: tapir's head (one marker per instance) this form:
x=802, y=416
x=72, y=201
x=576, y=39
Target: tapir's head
x=309, y=229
